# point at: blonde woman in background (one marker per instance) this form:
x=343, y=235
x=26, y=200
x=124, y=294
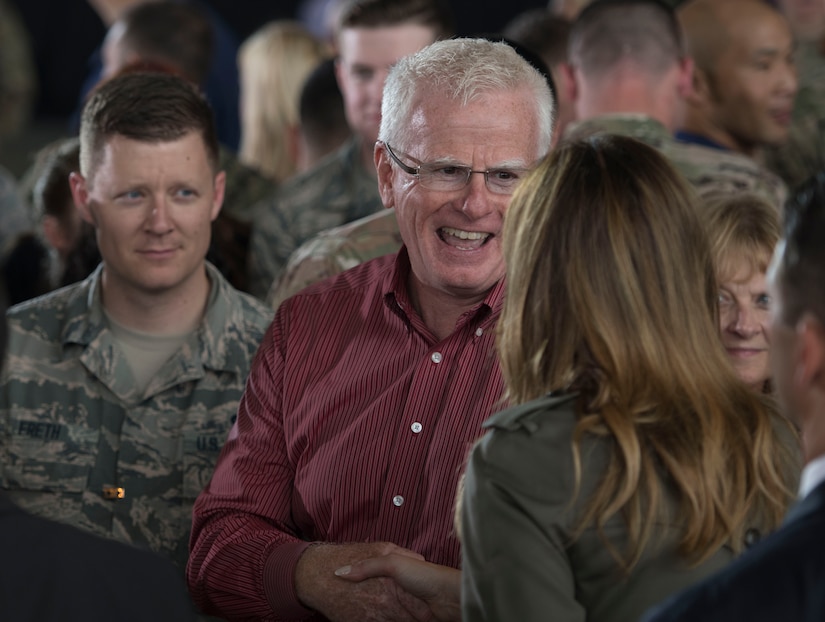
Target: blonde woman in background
x=743, y=230
x=274, y=62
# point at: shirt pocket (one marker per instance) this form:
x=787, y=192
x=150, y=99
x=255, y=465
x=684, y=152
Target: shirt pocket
x=203, y=439
x=47, y=456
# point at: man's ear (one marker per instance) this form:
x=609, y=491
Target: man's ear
x=568, y=75
x=220, y=189
x=384, y=170
x=699, y=91
x=685, y=84
x=809, y=355
x=80, y=195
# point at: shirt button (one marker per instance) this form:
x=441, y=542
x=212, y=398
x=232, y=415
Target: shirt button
x=416, y=427
x=436, y=357
x=479, y=332
x=398, y=501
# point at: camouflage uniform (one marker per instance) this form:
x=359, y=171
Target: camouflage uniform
x=335, y=250
x=232, y=229
x=80, y=444
x=337, y=191
x=803, y=153
x=708, y=170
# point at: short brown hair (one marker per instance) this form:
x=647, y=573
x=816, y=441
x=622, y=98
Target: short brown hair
x=375, y=13
x=150, y=107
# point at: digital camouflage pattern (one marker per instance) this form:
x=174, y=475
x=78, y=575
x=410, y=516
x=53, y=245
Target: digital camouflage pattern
x=708, y=170
x=337, y=191
x=79, y=444
x=803, y=153
x=335, y=250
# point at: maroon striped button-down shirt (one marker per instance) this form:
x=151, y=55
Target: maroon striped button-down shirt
x=354, y=426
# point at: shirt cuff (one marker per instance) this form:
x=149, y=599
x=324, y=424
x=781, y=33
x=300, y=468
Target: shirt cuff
x=279, y=581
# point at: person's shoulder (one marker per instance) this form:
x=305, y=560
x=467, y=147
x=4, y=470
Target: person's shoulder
x=355, y=282
x=323, y=179
x=714, y=170
x=635, y=125
x=247, y=313
x=526, y=444
x=536, y=416
x=67, y=302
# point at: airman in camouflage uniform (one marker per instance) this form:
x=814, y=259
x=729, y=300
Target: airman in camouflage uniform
x=81, y=444
x=337, y=191
x=118, y=391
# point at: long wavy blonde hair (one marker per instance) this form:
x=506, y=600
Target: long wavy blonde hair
x=274, y=62
x=611, y=293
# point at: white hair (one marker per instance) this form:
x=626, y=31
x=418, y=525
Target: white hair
x=462, y=70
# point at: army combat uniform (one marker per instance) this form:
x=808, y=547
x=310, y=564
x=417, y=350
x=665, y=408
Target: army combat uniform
x=79, y=443
x=708, y=170
x=335, y=250
x=338, y=190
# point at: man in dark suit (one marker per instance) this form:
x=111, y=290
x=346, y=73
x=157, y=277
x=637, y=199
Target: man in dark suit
x=50, y=571
x=782, y=578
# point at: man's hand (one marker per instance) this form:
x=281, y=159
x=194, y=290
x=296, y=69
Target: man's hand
x=377, y=599
x=438, y=586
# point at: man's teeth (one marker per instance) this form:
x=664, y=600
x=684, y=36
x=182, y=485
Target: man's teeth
x=465, y=235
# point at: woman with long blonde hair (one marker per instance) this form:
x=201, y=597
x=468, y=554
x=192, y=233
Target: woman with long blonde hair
x=274, y=62
x=633, y=461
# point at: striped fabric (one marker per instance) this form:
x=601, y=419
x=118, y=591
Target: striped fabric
x=354, y=427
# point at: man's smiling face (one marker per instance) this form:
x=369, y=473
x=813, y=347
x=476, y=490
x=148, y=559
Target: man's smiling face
x=454, y=238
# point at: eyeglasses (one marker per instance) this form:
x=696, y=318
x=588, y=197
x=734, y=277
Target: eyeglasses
x=451, y=177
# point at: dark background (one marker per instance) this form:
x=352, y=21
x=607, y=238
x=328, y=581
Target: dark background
x=64, y=34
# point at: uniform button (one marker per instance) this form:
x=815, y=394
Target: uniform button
x=398, y=501
x=436, y=357
x=479, y=332
x=752, y=536
x=416, y=427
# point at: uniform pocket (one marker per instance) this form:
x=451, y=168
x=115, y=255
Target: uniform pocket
x=46, y=456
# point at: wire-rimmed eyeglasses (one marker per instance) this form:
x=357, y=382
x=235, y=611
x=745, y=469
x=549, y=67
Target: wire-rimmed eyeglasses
x=451, y=177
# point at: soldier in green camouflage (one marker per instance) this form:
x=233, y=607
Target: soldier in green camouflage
x=631, y=76
x=371, y=36
x=118, y=391
x=744, y=81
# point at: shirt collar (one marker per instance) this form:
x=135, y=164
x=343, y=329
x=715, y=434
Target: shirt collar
x=812, y=475
x=397, y=297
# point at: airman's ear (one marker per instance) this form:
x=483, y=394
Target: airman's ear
x=80, y=195
x=568, y=75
